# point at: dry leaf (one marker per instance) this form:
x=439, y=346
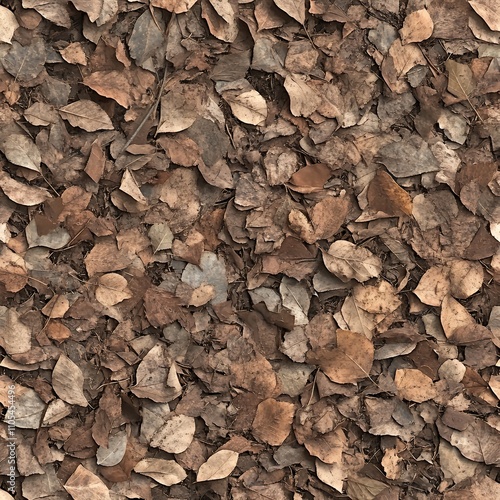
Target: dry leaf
x=8, y=24
x=347, y=363
x=218, y=466
x=13, y=272
x=146, y=37
x=294, y=8
x=84, y=485
x=385, y=195
x=417, y=27
x=176, y=435
x=461, y=81
x=166, y=472
x=488, y=10
x=175, y=6
x=156, y=377
x=273, y=421
x=67, y=380
x=347, y=261
x=303, y=99
x=413, y=385
x=112, y=289
x=113, y=453
x=378, y=299
x=18, y=192
x=15, y=336
x=21, y=150
x=87, y=115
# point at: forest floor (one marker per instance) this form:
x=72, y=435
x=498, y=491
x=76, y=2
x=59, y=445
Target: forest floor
x=249, y=249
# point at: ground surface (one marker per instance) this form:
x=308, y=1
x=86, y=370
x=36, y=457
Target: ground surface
x=249, y=249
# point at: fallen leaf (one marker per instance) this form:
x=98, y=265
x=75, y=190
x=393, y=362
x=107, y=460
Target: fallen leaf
x=112, y=289
x=218, y=466
x=175, y=6
x=417, y=27
x=488, y=10
x=23, y=194
x=385, y=195
x=13, y=272
x=25, y=63
x=347, y=261
x=156, y=377
x=413, y=385
x=176, y=435
x=146, y=37
x=460, y=79
x=273, y=421
x=166, y=472
x=8, y=24
x=304, y=100
x=161, y=237
x=113, y=453
x=67, y=380
x=378, y=299
x=83, y=485
x=86, y=115
x=21, y=150
x=349, y=362
x=294, y=8
x=296, y=299
x=15, y=336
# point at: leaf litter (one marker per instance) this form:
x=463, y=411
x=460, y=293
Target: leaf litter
x=250, y=249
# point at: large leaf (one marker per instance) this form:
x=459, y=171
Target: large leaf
x=87, y=115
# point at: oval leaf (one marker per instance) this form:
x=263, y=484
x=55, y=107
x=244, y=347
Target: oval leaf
x=218, y=466
x=87, y=115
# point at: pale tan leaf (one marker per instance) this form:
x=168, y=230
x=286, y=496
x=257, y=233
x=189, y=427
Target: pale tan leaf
x=13, y=272
x=157, y=377
x=413, y=385
x=86, y=115
x=112, y=289
x=23, y=194
x=8, y=24
x=433, y=286
x=67, y=380
x=161, y=237
x=331, y=474
x=461, y=81
x=175, y=6
x=84, y=485
x=113, y=454
x=347, y=261
x=378, y=299
x=218, y=466
x=176, y=435
x=294, y=8
x=15, y=336
x=21, y=150
x=417, y=27
x=489, y=11
x=304, y=100
x=248, y=106
x=166, y=472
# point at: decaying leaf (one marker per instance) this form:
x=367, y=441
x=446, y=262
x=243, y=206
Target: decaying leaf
x=273, y=421
x=347, y=261
x=83, y=484
x=218, y=466
x=460, y=79
x=176, y=435
x=347, y=363
x=87, y=115
x=166, y=472
x=417, y=27
x=67, y=380
x=112, y=289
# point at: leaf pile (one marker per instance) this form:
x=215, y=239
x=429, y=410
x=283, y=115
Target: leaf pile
x=250, y=249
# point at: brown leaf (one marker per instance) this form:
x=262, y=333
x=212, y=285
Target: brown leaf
x=349, y=362
x=156, y=377
x=67, y=380
x=84, y=485
x=166, y=472
x=175, y=6
x=347, y=261
x=461, y=81
x=13, y=272
x=310, y=179
x=87, y=115
x=176, y=435
x=488, y=10
x=385, y=195
x=273, y=421
x=218, y=466
x=21, y=193
x=294, y=8
x=417, y=27
x=8, y=24
x=413, y=385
